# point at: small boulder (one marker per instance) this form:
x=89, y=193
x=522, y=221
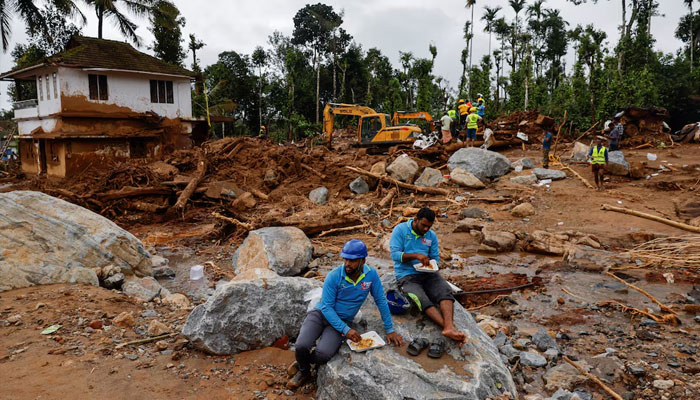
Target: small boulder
x=637, y=170
x=244, y=202
x=528, y=179
x=498, y=241
x=176, y=299
x=553, y=174
x=429, y=178
x=272, y=251
x=526, y=163
x=543, y=341
x=163, y=273
x=483, y=164
x=124, y=320
x=469, y=224
x=473, y=212
x=359, y=186
x=580, y=152
x=158, y=261
x=249, y=314
x=523, y=210
x=145, y=289
x=404, y=169
x=319, y=196
x=157, y=328
x=466, y=179
x=271, y=178
x=617, y=165
x=532, y=360
x=114, y=282
x=378, y=168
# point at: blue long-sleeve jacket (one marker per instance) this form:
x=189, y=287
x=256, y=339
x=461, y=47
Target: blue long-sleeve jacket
x=405, y=240
x=342, y=298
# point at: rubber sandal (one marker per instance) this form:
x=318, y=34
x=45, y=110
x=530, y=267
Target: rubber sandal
x=436, y=349
x=416, y=346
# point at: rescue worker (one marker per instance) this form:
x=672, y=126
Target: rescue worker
x=263, y=131
x=546, y=145
x=615, y=134
x=463, y=113
x=453, y=127
x=412, y=244
x=598, y=157
x=481, y=108
x=446, y=123
x=472, y=125
x=344, y=290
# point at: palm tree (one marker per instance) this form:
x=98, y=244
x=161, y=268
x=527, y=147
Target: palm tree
x=471, y=3
x=490, y=14
x=108, y=9
x=30, y=13
x=517, y=6
x=688, y=3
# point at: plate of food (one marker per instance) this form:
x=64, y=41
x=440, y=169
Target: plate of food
x=370, y=340
x=432, y=267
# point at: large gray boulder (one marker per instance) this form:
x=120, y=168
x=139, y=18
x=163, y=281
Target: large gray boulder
x=580, y=152
x=45, y=240
x=471, y=371
x=404, y=169
x=250, y=314
x=272, y=251
x=617, y=165
x=430, y=177
x=545, y=173
x=481, y=163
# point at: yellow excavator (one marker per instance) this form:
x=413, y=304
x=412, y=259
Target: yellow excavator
x=424, y=115
x=374, y=129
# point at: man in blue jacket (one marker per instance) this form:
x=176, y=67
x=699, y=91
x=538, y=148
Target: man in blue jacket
x=413, y=243
x=344, y=290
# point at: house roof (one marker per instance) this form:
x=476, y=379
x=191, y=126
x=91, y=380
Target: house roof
x=88, y=52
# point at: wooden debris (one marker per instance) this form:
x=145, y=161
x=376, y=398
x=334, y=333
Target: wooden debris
x=194, y=182
x=259, y=194
x=576, y=174
x=586, y=132
x=679, y=225
x=313, y=171
x=148, y=340
x=668, y=252
x=133, y=192
x=247, y=227
x=556, y=141
x=593, y=378
x=642, y=291
x=625, y=308
x=384, y=178
x=346, y=229
x=387, y=199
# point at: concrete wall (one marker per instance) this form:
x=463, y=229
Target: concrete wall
x=55, y=158
x=51, y=102
x=127, y=91
x=26, y=127
x=29, y=156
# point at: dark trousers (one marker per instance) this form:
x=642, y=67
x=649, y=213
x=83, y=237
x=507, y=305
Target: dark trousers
x=316, y=326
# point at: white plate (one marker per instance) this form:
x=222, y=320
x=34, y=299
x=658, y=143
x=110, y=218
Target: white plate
x=421, y=268
x=378, y=342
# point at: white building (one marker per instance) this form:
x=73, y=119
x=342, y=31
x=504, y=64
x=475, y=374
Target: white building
x=102, y=99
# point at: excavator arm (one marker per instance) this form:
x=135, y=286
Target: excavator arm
x=424, y=115
x=333, y=109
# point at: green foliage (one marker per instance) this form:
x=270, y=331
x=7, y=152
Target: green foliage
x=166, y=26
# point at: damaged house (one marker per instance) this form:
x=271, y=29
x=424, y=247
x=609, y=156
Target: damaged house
x=101, y=99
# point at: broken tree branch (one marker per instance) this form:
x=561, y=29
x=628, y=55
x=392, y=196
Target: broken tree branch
x=556, y=141
x=679, y=225
x=148, y=340
x=586, y=132
x=259, y=194
x=346, y=229
x=390, y=195
x=642, y=291
x=593, y=378
x=233, y=221
x=132, y=192
x=313, y=171
x=421, y=189
x=576, y=174
x=194, y=182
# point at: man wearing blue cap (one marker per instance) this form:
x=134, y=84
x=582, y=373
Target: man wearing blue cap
x=344, y=290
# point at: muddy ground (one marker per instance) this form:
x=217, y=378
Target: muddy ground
x=626, y=352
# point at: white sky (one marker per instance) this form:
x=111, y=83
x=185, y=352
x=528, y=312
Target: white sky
x=390, y=25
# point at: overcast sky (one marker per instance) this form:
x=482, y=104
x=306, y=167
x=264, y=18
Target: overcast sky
x=390, y=25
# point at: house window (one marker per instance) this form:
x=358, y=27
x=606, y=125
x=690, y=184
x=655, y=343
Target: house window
x=48, y=89
x=55, y=86
x=41, y=89
x=98, y=87
x=162, y=92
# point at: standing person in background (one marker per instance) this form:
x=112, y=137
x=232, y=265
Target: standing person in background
x=546, y=145
x=463, y=113
x=446, y=123
x=453, y=126
x=481, y=112
x=598, y=157
x=472, y=125
x=615, y=134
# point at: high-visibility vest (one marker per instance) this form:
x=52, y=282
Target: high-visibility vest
x=598, y=155
x=473, y=119
x=463, y=109
x=452, y=114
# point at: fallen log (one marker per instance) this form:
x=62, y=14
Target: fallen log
x=675, y=224
x=420, y=189
x=387, y=199
x=346, y=229
x=148, y=340
x=593, y=378
x=576, y=174
x=556, y=141
x=133, y=192
x=145, y=207
x=194, y=182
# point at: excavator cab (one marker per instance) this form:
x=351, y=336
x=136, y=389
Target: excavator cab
x=371, y=125
x=374, y=129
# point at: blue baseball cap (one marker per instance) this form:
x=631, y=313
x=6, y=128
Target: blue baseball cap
x=354, y=249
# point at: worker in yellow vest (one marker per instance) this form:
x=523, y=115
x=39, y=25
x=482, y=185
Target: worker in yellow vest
x=453, y=128
x=472, y=125
x=598, y=157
